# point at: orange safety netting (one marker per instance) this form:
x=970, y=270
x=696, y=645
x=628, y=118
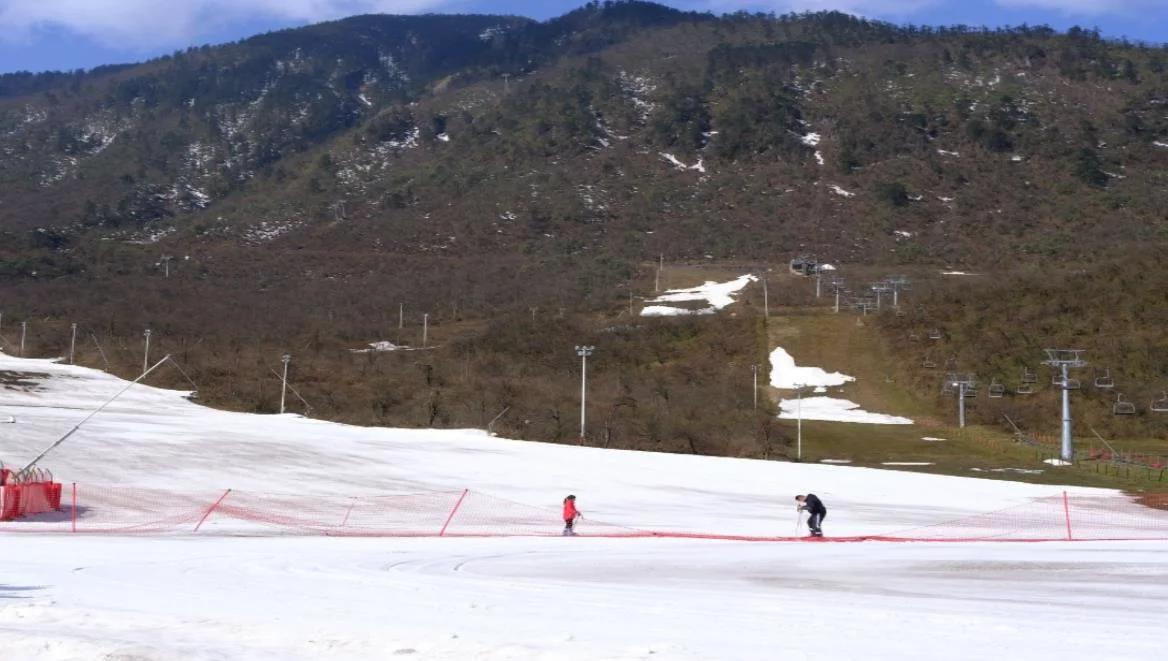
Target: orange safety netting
x=126, y=510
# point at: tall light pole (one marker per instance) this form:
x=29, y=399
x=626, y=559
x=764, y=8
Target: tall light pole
x=146, y=354
x=425, y=327
x=284, y=381
x=166, y=265
x=798, y=422
x=23, y=333
x=583, y=352
x=73, y=343
x=754, y=369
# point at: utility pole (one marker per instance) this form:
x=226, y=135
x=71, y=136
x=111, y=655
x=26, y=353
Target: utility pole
x=1063, y=360
x=425, y=327
x=506, y=83
x=533, y=314
x=583, y=352
x=754, y=370
x=798, y=422
x=166, y=265
x=73, y=343
x=23, y=333
x=657, y=280
x=146, y=354
x=401, y=315
x=284, y=381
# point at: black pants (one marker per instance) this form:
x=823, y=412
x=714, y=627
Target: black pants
x=815, y=523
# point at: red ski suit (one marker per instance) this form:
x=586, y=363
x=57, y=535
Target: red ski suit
x=570, y=512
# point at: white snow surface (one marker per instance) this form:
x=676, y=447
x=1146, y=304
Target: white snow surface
x=534, y=598
x=717, y=295
x=787, y=376
x=834, y=409
x=1160, y=144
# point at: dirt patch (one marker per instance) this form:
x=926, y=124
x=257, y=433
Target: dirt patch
x=1157, y=501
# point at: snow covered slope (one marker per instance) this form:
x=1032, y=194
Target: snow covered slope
x=548, y=599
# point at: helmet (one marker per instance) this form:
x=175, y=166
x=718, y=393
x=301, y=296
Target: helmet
x=570, y=498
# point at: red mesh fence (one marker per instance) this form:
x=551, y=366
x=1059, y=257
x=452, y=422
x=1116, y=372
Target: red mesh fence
x=124, y=510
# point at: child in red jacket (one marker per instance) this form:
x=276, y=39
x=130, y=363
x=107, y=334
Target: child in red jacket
x=570, y=515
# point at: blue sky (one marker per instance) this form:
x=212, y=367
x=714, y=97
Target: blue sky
x=39, y=35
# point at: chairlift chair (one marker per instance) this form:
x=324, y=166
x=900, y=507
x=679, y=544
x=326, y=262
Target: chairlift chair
x=1122, y=407
x=996, y=389
x=935, y=334
x=928, y=363
x=1073, y=384
x=1159, y=405
x=1024, y=389
x=1106, y=381
x=1029, y=377
x=971, y=390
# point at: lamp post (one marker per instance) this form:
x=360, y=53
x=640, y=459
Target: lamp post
x=284, y=381
x=754, y=369
x=798, y=422
x=23, y=333
x=146, y=353
x=425, y=327
x=73, y=343
x=583, y=352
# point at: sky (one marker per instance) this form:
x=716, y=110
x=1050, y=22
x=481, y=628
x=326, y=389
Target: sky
x=42, y=35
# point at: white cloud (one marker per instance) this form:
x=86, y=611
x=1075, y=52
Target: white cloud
x=137, y=25
x=1088, y=7
x=906, y=8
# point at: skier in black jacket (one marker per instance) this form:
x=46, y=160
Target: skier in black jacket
x=816, y=512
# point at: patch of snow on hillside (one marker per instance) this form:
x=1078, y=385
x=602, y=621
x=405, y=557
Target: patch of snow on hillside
x=699, y=166
x=383, y=345
x=841, y=192
x=787, y=376
x=818, y=157
x=1161, y=144
x=833, y=409
x=945, y=199
x=363, y=99
x=443, y=137
x=811, y=139
x=636, y=88
x=149, y=236
x=492, y=32
x=902, y=233
x=956, y=273
x=268, y=230
x=200, y=158
x=826, y=267
x=1015, y=159
x=57, y=170
x=391, y=67
x=947, y=153
x=717, y=295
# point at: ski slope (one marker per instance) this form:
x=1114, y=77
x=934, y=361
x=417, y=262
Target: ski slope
x=546, y=598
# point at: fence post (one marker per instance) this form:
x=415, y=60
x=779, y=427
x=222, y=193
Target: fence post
x=211, y=509
x=73, y=509
x=1067, y=513
x=451, y=516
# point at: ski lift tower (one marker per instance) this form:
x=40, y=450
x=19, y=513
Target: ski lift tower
x=1063, y=360
x=964, y=385
x=897, y=283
